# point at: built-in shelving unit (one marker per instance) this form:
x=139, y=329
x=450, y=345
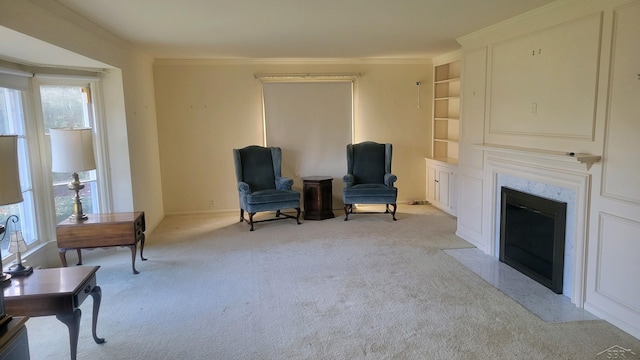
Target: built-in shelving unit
x=446, y=112
x=442, y=166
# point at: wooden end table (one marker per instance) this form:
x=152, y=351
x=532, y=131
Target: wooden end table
x=318, y=197
x=102, y=230
x=59, y=292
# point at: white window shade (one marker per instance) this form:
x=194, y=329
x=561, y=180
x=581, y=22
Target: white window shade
x=312, y=123
x=14, y=79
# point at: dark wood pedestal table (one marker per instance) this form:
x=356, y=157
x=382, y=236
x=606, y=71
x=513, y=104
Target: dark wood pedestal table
x=59, y=292
x=318, y=197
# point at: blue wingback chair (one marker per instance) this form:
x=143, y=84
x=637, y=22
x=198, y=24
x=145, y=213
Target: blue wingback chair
x=261, y=186
x=369, y=179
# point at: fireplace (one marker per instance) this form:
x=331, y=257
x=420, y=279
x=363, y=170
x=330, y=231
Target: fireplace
x=532, y=236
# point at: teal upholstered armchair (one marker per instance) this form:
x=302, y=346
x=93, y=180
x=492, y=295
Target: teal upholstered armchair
x=369, y=179
x=261, y=186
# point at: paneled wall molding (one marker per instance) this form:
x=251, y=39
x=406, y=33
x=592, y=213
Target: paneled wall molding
x=568, y=123
x=564, y=58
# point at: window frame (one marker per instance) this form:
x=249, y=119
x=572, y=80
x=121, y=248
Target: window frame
x=38, y=156
x=102, y=180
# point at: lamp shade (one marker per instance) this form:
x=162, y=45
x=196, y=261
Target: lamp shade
x=10, y=192
x=17, y=243
x=72, y=150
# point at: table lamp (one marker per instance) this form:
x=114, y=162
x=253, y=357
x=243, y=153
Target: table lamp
x=10, y=191
x=18, y=246
x=71, y=152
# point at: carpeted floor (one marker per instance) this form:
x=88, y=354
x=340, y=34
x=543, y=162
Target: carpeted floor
x=369, y=288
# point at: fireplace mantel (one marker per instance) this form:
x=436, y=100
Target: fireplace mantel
x=548, y=155
x=554, y=172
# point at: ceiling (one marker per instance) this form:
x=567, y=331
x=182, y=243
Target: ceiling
x=296, y=29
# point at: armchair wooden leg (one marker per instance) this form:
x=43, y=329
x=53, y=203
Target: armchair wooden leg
x=241, y=215
x=394, y=212
x=251, y=220
x=347, y=209
x=298, y=215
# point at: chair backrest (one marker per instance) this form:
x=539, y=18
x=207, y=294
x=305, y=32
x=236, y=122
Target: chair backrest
x=258, y=166
x=369, y=162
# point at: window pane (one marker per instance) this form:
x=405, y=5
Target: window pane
x=12, y=122
x=64, y=107
x=64, y=200
x=68, y=107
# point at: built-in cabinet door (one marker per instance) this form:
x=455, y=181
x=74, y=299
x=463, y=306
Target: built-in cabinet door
x=443, y=192
x=441, y=185
x=431, y=184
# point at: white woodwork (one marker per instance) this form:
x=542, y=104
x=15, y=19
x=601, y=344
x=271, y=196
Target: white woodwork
x=563, y=59
x=621, y=180
x=441, y=185
x=473, y=106
x=446, y=111
x=470, y=210
x=536, y=170
x=554, y=95
x=613, y=292
x=617, y=249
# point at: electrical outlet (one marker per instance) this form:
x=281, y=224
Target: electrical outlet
x=212, y=203
x=534, y=109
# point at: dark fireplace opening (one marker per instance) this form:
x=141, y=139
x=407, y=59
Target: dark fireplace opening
x=532, y=234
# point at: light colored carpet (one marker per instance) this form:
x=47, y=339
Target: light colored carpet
x=369, y=288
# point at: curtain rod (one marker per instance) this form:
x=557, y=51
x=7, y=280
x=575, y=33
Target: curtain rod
x=298, y=77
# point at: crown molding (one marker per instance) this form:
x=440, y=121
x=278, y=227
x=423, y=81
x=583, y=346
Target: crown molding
x=294, y=61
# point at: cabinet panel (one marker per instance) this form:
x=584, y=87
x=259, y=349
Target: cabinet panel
x=442, y=185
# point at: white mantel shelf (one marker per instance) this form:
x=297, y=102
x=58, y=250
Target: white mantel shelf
x=587, y=159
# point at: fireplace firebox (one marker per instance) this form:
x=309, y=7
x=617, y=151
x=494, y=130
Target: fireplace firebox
x=532, y=236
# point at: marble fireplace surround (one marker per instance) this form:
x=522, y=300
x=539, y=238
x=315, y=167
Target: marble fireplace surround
x=553, y=175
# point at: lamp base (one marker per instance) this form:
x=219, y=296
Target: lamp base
x=19, y=270
x=78, y=217
x=5, y=279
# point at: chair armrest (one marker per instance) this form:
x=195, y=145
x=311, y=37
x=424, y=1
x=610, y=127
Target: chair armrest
x=284, y=183
x=389, y=179
x=243, y=187
x=348, y=180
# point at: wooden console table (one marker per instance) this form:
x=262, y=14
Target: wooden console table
x=318, y=197
x=102, y=230
x=59, y=292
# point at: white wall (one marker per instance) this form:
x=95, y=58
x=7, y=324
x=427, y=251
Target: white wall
x=577, y=62
x=128, y=95
x=207, y=108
